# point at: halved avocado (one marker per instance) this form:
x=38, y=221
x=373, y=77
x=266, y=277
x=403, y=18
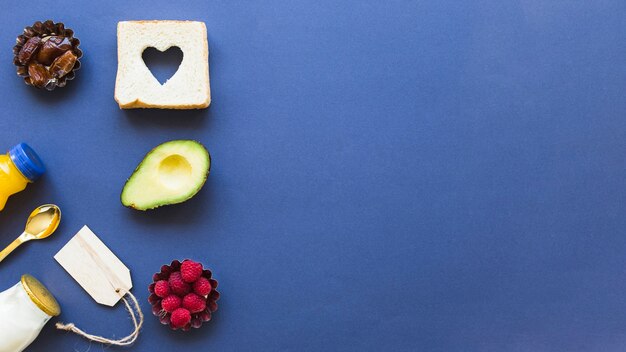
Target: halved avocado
x=171, y=173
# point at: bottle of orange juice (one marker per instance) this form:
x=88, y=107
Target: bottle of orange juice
x=19, y=167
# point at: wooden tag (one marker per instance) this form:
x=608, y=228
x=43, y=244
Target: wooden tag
x=95, y=267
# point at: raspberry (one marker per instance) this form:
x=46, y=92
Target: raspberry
x=190, y=270
x=194, y=303
x=162, y=289
x=202, y=286
x=177, y=285
x=180, y=318
x=171, y=303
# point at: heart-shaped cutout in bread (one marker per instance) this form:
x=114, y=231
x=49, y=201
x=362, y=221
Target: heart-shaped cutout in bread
x=163, y=64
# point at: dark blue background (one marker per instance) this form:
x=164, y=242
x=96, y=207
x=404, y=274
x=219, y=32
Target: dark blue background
x=387, y=175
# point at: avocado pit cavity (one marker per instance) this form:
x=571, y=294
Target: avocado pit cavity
x=174, y=171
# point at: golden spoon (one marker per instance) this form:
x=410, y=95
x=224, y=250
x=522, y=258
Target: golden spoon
x=41, y=223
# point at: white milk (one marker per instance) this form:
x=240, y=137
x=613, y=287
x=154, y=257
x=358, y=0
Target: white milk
x=21, y=319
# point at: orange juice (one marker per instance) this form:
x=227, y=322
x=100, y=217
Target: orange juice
x=19, y=167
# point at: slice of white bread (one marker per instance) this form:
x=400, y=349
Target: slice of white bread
x=136, y=86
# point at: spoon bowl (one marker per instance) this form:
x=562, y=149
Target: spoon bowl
x=41, y=223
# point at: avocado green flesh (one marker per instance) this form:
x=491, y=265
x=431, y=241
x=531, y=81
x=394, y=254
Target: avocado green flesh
x=171, y=173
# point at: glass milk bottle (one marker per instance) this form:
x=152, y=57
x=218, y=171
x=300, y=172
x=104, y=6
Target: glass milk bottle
x=24, y=310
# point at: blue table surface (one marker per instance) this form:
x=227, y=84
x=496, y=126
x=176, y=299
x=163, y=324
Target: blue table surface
x=387, y=175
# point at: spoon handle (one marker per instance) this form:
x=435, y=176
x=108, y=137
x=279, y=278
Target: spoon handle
x=10, y=248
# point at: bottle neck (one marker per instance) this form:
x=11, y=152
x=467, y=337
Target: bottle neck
x=40, y=295
x=14, y=170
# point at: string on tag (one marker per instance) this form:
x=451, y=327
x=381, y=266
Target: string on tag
x=135, y=314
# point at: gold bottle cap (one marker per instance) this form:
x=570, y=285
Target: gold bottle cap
x=40, y=295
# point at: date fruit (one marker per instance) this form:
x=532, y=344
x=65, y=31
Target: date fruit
x=39, y=76
x=52, y=48
x=45, y=55
x=29, y=49
x=63, y=64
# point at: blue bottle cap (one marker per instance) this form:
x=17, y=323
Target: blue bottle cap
x=27, y=161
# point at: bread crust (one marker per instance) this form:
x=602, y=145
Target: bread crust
x=138, y=103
